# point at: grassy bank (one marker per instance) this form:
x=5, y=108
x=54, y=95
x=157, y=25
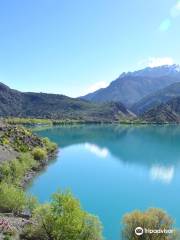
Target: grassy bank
x=35, y=121
x=53, y=122
x=32, y=153
x=21, y=216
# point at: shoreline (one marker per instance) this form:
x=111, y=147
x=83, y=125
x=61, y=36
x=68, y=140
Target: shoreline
x=30, y=122
x=25, y=155
x=32, y=173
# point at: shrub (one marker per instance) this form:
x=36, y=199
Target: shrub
x=5, y=172
x=150, y=219
x=5, y=141
x=13, y=171
x=12, y=199
x=63, y=219
x=39, y=154
x=50, y=146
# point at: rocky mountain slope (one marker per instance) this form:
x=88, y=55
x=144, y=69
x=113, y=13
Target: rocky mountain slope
x=159, y=97
x=168, y=112
x=53, y=106
x=132, y=86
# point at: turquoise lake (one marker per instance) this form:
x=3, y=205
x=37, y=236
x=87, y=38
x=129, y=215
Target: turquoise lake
x=114, y=169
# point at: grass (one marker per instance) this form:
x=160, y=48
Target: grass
x=32, y=151
x=51, y=122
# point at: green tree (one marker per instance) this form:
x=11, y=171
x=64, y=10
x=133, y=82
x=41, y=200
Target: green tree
x=63, y=219
x=153, y=219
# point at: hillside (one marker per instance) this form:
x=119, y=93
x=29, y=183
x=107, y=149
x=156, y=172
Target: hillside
x=133, y=86
x=53, y=106
x=153, y=100
x=168, y=112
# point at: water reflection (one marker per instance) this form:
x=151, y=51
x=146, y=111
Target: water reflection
x=161, y=173
x=142, y=145
x=141, y=166
x=100, y=152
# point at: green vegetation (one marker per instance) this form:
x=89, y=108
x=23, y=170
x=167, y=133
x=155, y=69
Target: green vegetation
x=12, y=198
x=40, y=121
x=14, y=171
x=134, y=120
x=63, y=219
x=153, y=219
x=27, y=121
x=50, y=146
x=19, y=138
x=39, y=154
x=56, y=107
x=26, y=147
x=52, y=122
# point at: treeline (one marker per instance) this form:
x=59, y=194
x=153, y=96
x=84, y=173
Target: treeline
x=38, y=121
x=51, y=122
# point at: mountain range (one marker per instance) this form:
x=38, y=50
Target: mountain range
x=168, y=112
x=150, y=94
x=131, y=87
x=157, y=98
x=53, y=106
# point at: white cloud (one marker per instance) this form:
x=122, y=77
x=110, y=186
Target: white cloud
x=96, y=86
x=100, y=152
x=157, y=61
x=175, y=10
x=163, y=174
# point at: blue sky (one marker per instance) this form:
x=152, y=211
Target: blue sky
x=73, y=47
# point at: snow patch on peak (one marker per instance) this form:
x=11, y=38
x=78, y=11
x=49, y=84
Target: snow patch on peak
x=177, y=67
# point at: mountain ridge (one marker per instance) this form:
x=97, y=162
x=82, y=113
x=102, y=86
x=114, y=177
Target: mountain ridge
x=159, y=97
x=130, y=87
x=14, y=103
x=168, y=112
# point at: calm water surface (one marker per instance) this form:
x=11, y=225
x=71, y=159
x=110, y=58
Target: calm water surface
x=114, y=170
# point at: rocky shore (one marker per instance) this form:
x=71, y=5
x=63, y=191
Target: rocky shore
x=11, y=223
x=14, y=141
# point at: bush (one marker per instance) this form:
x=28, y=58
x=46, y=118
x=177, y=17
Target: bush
x=12, y=199
x=31, y=203
x=5, y=172
x=150, y=219
x=39, y=154
x=50, y=146
x=63, y=219
x=13, y=171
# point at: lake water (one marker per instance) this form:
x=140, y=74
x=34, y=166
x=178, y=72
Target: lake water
x=114, y=169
